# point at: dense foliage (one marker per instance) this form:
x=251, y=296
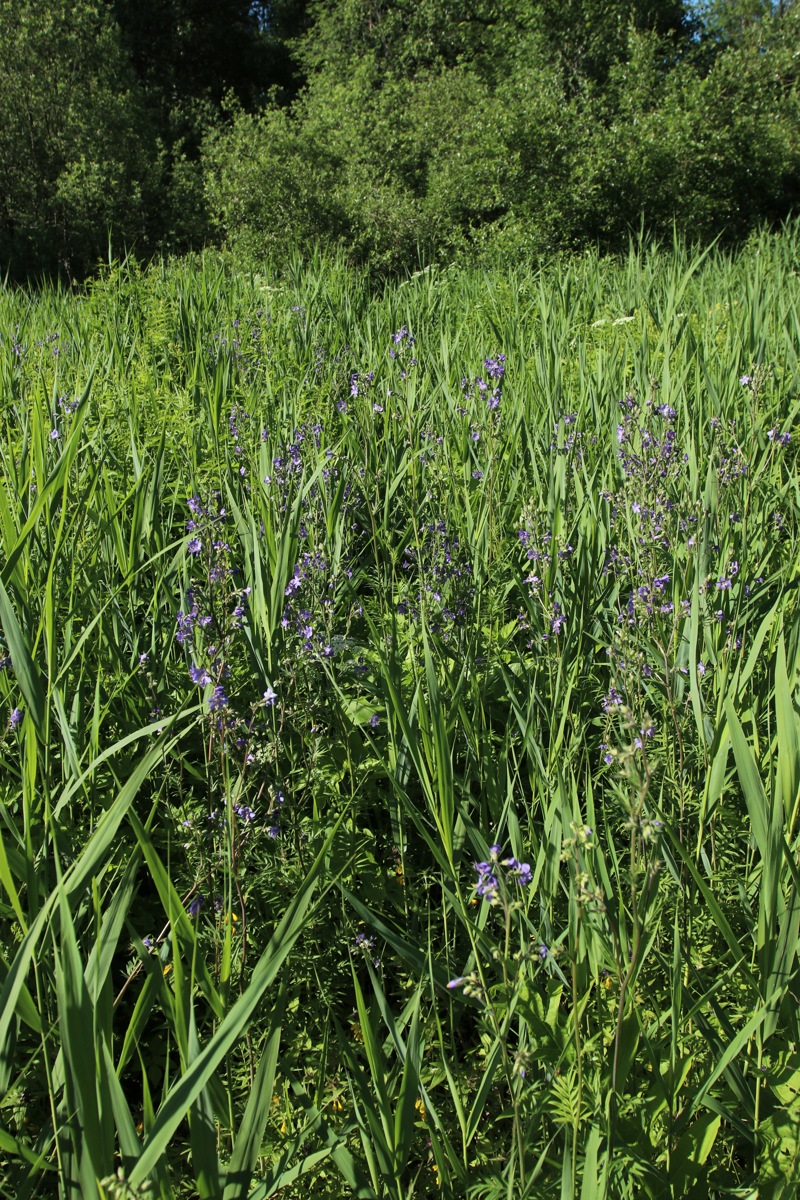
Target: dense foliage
x=407, y=132
x=400, y=747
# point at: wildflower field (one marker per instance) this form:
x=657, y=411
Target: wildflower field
x=399, y=734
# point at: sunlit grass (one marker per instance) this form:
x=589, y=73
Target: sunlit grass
x=309, y=599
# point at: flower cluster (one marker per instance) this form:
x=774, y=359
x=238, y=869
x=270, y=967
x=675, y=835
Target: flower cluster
x=490, y=388
x=491, y=880
x=439, y=578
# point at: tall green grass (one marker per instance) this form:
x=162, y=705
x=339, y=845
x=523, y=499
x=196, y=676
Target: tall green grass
x=429, y=610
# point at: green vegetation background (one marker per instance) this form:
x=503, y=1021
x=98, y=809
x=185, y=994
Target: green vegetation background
x=402, y=520
x=406, y=131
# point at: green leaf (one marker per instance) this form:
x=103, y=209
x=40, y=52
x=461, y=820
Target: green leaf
x=181, y=1096
x=25, y=669
x=247, y=1146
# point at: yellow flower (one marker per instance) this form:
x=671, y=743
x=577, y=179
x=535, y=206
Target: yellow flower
x=420, y=1107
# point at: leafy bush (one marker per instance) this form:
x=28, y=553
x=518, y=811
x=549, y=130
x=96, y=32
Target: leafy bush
x=450, y=160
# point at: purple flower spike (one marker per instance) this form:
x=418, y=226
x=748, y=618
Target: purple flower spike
x=487, y=884
x=218, y=700
x=200, y=676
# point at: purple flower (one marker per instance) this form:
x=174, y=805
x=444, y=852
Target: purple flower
x=487, y=881
x=496, y=367
x=185, y=622
x=217, y=700
x=196, y=904
x=746, y=380
x=195, y=546
x=270, y=697
x=15, y=718
x=612, y=700
x=55, y=435
x=374, y=721
x=454, y=983
x=520, y=871
x=199, y=675
x=274, y=831
x=245, y=813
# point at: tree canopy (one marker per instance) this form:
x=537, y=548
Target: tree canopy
x=404, y=129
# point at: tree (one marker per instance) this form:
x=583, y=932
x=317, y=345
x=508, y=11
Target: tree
x=77, y=155
x=582, y=37
x=194, y=60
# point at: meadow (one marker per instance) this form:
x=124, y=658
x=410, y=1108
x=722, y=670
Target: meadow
x=399, y=730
